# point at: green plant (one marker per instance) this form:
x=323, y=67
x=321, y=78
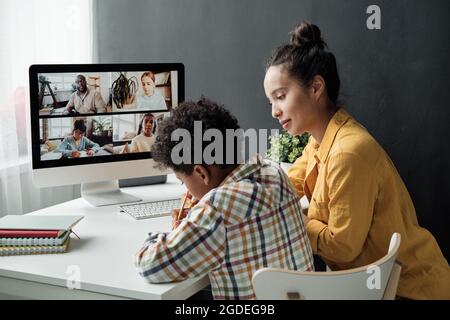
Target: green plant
x=101, y=126
x=124, y=89
x=285, y=147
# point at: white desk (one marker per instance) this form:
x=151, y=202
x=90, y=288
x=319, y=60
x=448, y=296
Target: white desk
x=104, y=256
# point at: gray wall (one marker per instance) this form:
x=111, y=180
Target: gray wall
x=395, y=80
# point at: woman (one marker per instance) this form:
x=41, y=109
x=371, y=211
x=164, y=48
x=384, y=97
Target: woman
x=72, y=146
x=145, y=139
x=149, y=98
x=357, y=198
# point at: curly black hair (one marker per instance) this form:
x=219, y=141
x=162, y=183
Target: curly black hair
x=212, y=116
x=79, y=125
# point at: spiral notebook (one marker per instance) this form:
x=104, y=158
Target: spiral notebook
x=21, y=250
x=34, y=241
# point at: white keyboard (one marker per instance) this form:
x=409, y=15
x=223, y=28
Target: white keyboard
x=151, y=209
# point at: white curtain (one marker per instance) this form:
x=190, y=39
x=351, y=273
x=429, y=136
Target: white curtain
x=33, y=32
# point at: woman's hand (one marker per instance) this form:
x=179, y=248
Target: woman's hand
x=176, y=220
x=90, y=152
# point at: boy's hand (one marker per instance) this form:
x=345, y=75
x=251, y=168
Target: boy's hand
x=177, y=220
x=191, y=201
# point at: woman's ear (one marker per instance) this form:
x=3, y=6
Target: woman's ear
x=318, y=86
x=203, y=173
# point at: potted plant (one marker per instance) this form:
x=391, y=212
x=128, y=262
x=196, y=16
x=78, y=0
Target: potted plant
x=124, y=90
x=101, y=126
x=285, y=148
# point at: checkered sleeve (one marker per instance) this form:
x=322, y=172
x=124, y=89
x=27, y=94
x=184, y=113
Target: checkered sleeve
x=194, y=248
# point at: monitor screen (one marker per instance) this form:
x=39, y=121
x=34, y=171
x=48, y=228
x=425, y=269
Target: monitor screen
x=85, y=114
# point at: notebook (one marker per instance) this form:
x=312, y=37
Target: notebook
x=31, y=241
x=39, y=222
x=14, y=233
x=20, y=250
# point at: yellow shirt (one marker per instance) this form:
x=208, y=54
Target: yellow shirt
x=357, y=201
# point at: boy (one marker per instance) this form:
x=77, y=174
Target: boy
x=247, y=217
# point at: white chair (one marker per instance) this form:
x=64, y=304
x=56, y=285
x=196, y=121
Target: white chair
x=377, y=281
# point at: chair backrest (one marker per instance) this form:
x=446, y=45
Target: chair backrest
x=376, y=281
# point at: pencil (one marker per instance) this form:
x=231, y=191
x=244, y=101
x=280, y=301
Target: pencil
x=182, y=205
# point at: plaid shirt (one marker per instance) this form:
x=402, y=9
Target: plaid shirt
x=252, y=220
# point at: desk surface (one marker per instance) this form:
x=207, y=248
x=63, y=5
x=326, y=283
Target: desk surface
x=104, y=254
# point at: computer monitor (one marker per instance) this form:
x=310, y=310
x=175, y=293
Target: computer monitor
x=93, y=124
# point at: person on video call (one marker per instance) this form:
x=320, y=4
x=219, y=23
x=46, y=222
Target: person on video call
x=72, y=146
x=84, y=100
x=145, y=139
x=149, y=98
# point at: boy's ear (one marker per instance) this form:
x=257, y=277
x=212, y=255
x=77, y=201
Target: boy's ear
x=203, y=173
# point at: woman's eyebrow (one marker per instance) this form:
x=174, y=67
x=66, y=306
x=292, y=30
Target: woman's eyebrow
x=276, y=90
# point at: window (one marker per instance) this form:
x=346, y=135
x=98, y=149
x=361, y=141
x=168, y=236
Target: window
x=36, y=32
x=58, y=128
x=124, y=126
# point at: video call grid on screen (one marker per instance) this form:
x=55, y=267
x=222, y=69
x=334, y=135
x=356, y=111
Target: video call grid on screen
x=84, y=114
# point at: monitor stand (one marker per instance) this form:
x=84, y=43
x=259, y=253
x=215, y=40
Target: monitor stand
x=105, y=193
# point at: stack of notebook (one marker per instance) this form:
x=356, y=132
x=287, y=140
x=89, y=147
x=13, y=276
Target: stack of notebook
x=34, y=234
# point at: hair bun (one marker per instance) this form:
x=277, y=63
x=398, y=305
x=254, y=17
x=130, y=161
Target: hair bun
x=307, y=33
